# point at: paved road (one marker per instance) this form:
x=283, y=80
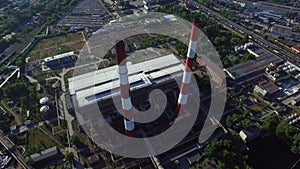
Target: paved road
x=10, y=76
x=11, y=147
x=279, y=51
x=24, y=128
x=31, y=80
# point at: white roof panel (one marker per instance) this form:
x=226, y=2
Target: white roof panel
x=104, y=83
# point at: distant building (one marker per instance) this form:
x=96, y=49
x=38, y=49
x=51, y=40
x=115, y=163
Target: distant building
x=248, y=45
x=125, y=12
x=242, y=4
x=269, y=14
x=150, y=5
x=193, y=158
x=239, y=49
x=273, y=72
x=259, y=90
x=44, y=154
x=244, y=47
x=245, y=135
x=4, y=160
x=266, y=88
x=253, y=53
x=295, y=101
x=296, y=49
x=218, y=76
x=64, y=59
x=280, y=110
x=69, y=104
x=14, y=129
x=250, y=133
x=252, y=69
x=285, y=31
x=9, y=36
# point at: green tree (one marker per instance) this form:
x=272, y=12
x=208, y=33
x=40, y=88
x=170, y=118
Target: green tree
x=271, y=123
x=285, y=131
x=245, y=39
x=247, y=57
x=226, y=150
x=75, y=140
x=15, y=90
x=232, y=120
x=69, y=157
x=226, y=62
x=295, y=148
x=234, y=40
x=29, y=161
x=19, y=62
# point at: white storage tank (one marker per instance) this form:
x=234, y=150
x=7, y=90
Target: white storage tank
x=44, y=100
x=44, y=109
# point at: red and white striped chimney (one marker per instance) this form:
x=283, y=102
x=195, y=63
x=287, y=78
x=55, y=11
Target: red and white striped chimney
x=124, y=90
x=187, y=74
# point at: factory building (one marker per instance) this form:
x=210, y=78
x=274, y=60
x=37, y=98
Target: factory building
x=64, y=59
x=102, y=87
x=44, y=154
x=103, y=84
x=252, y=69
x=130, y=83
x=286, y=31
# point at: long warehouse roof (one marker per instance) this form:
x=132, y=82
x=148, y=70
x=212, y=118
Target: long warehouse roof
x=104, y=83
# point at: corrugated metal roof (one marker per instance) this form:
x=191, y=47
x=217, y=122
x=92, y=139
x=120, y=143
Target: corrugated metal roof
x=104, y=83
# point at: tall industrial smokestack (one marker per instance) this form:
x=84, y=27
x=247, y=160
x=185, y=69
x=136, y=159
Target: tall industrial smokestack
x=124, y=90
x=187, y=74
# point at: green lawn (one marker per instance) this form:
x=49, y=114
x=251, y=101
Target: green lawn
x=257, y=108
x=38, y=141
x=82, y=137
x=57, y=45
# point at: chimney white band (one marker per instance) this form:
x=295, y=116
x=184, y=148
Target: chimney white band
x=129, y=125
x=126, y=103
x=186, y=77
x=182, y=99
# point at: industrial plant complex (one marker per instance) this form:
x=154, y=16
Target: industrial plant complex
x=145, y=84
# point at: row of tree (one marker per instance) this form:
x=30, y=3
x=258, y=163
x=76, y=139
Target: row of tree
x=226, y=152
x=24, y=97
x=239, y=121
x=284, y=131
x=16, y=20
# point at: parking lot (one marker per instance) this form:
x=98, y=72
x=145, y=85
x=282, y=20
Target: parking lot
x=88, y=14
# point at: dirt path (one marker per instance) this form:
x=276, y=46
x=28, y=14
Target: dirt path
x=16, y=116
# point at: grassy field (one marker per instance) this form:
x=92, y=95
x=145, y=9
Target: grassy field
x=257, y=108
x=38, y=141
x=82, y=137
x=57, y=45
